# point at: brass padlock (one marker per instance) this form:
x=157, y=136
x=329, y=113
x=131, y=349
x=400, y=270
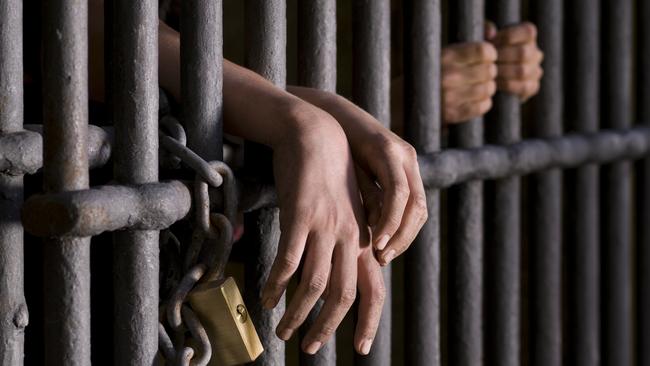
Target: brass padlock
x=220, y=308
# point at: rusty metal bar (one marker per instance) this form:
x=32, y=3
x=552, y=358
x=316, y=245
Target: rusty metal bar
x=371, y=91
x=13, y=309
x=266, y=40
x=616, y=183
x=545, y=249
x=465, y=246
x=90, y=212
x=65, y=168
x=135, y=111
x=201, y=77
x=582, y=240
x=317, y=69
x=503, y=233
x=422, y=40
x=643, y=189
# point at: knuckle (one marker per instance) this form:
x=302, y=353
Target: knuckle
x=411, y=153
x=530, y=29
x=316, y=284
x=325, y=331
x=345, y=297
x=484, y=51
x=420, y=205
x=378, y=296
x=289, y=262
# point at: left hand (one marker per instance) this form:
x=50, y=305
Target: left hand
x=388, y=174
x=519, y=58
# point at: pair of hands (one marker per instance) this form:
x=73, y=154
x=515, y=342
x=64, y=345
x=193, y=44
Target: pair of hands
x=350, y=193
x=472, y=72
x=335, y=170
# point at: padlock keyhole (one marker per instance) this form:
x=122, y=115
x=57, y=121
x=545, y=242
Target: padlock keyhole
x=242, y=314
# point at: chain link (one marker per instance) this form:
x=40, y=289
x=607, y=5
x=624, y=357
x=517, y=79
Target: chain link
x=206, y=255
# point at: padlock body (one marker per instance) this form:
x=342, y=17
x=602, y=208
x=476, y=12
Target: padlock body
x=220, y=307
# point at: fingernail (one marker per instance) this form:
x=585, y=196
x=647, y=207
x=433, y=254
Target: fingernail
x=389, y=256
x=381, y=243
x=268, y=304
x=285, y=334
x=313, y=348
x=365, y=347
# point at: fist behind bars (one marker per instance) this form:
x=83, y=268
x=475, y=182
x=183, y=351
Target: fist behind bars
x=472, y=72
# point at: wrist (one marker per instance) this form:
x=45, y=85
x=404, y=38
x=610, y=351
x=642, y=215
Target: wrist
x=302, y=121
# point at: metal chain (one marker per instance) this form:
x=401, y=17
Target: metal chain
x=207, y=253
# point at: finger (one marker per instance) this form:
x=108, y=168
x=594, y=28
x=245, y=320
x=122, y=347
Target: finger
x=467, y=111
x=518, y=71
x=287, y=260
x=315, y=275
x=523, y=88
x=521, y=53
x=468, y=53
x=516, y=34
x=415, y=216
x=469, y=93
x=461, y=76
x=490, y=30
x=372, y=294
x=394, y=186
x=371, y=195
x=342, y=294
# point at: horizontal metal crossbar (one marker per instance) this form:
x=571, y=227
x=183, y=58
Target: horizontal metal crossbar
x=22, y=152
x=152, y=206
x=453, y=166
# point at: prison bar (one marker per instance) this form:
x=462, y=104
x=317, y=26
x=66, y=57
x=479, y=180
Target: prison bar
x=13, y=309
x=502, y=225
x=371, y=91
x=643, y=189
x=422, y=40
x=465, y=209
x=266, y=41
x=545, y=249
x=65, y=168
x=201, y=77
x=616, y=187
x=90, y=212
x=582, y=237
x=135, y=112
x=317, y=69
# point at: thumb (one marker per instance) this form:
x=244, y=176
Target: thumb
x=490, y=30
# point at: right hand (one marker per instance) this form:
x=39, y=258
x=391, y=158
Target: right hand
x=323, y=227
x=468, y=80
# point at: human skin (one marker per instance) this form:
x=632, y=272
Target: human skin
x=322, y=220
x=509, y=61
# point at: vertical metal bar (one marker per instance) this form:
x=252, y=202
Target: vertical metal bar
x=13, y=310
x=317, y=69
x=317, y=44
x=422, y=128
x=545, y=251
x=371, y=91
x=503, y=236
x=201, y=76
x=583, y=71
x=135, y=111
x=266, y=39
x=643, y=188
x=616, y=214
x=65, y=168
x=466, y=222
